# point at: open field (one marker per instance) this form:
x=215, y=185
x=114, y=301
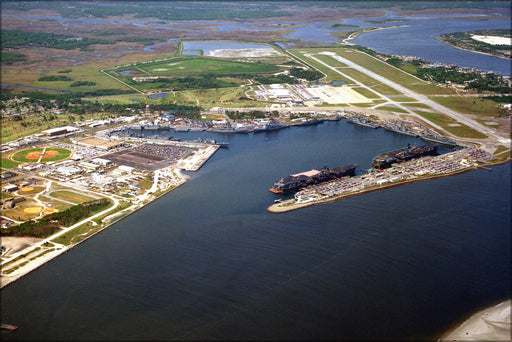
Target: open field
x=475, y=106
x=71, y=196
x=203, y=65
x=23, y=211
x=365, y=92
x=391, y=109
x=451, y=125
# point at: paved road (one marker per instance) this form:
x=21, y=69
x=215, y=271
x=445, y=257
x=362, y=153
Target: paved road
x=422, y=98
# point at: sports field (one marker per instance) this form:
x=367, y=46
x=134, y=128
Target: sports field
x=41, y=155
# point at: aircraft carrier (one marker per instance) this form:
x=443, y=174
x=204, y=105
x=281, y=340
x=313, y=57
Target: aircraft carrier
x=298, y=181
x=384, y=160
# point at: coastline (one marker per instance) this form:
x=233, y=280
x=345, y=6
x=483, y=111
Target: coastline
x=291, y=204
x=475, y=51
x=32, y=265
x=491, y=324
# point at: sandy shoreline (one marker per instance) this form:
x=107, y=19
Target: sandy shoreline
x=490, y=324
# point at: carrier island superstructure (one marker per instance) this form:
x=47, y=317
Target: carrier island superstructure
x=298, y=181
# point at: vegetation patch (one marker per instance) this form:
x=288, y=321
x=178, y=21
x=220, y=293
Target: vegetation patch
x=445, y=121
x=49, y=224
x=7, y=163
x=54, y=78
x=71, y=196
x=77, y=234
x=82, y=83
x=366, y=93
x=468, y=105
x=14, y=39
x=11, y=57
x=465, y=40
x=392, y=109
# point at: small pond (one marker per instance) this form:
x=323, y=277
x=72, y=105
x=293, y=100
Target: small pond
x=155, y=96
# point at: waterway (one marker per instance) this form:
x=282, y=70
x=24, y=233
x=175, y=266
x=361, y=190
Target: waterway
x=414, y=35
x=206, y=261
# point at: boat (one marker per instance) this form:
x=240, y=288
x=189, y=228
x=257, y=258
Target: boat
x=268, y=127
x=7, y=326
x=295, y=182
x=386, y=159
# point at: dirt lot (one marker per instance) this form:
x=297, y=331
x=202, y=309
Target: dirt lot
x=15, y=244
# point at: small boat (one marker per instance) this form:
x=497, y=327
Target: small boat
x=7, y=326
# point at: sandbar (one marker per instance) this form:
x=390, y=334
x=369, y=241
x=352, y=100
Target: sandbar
x=491, y=324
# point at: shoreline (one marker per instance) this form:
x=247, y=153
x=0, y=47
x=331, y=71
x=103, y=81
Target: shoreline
x=490, y=324
x=475, y=51
x=33, y=265
x=290, y=205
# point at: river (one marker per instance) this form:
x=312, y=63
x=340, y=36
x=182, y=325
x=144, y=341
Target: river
x=207, y=261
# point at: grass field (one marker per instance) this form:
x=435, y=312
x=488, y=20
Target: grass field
x=234, y=96
x=468, y=105
x=18, y=213
x=77, y=234
x=367, y=93
x=7, y=163
x=444, y=121
x=391, y=109
x=202, y=65
x=33, y=155
x=403, y=99
x=71, y=196
x=417, y=105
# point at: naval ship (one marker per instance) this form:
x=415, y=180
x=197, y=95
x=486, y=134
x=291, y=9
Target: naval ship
x=298, y=181
x=384, y=160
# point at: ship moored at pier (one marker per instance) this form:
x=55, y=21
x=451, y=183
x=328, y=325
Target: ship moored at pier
x=384, y=160
x=298, y=181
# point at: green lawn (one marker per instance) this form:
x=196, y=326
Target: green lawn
x=8, y=164
x=200, y=65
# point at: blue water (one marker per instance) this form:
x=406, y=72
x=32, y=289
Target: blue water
x=206, y=261
x=190, y=52
x=34, y=88
x=420, y=38
x=155, y=96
